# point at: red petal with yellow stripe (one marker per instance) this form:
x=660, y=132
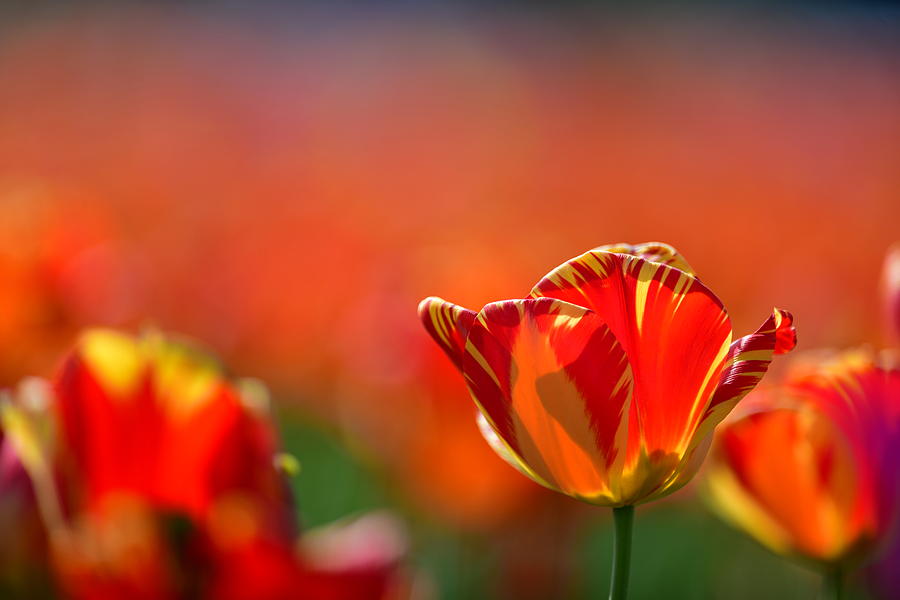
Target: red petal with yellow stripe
x=448, y=324
x=555, y=385
x=674, y=331
x=745, y=365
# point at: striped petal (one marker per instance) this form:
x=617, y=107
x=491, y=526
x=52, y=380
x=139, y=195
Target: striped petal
x=448, y=324
x=674, y=331
x=657, y=252
x=555, y=386
x=747, y=361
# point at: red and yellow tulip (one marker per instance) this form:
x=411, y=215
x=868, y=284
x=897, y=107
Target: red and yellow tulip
x=606, y=382
x=810, y=472
x=158, y=477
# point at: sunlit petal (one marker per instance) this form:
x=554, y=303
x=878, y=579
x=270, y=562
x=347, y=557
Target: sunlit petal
x=555, y=385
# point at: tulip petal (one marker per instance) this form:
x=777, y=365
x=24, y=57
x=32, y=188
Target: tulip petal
x=448, y=324
x=675, y=332
x=747, y=361
x=788, y=477
x=555, y=386
x=154, y=417
x=657, y=252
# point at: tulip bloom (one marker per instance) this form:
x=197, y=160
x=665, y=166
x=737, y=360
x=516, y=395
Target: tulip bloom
x=606, y=382
x=165, y=482
x=811, y=471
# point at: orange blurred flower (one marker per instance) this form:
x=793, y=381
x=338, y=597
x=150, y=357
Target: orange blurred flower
x=607, y=381
x=810, y=472
x=158, y=477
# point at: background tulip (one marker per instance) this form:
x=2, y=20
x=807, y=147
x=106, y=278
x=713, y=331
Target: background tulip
x=809, y=473
x=158, y=477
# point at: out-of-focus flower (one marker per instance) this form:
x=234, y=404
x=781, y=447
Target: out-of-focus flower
x=157, y=419
x=356, y=559
x=890, y=283
x=811, y=471
x=607, y=381
x=23, y=556
x=158, y=477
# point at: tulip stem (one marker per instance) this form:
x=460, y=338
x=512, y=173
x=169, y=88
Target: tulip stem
x=623, y=517
x=833, y=583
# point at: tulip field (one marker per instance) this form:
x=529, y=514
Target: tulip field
x=449, y=301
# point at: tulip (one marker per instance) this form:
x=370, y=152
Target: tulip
x=158, y=478
x=606, y=382
x=809, y=472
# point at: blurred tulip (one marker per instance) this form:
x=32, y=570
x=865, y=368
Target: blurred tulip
x=891, y=292
x=606, y=383
x=157, y=419
x=811, y=471
x=358, y=559
x=158, y=477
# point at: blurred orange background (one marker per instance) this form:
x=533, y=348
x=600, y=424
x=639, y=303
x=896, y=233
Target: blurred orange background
x=285, y=185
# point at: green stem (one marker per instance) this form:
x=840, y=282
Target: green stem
x=833, y=583
x=623, y=517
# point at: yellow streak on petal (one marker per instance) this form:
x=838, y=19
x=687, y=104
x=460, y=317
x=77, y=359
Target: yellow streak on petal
x=642, y=287
x=436, y=313
x=765, y=355
x=683, y=282
x=184, y=378
x=482, y=362
x=115, y=360
x=700, y=403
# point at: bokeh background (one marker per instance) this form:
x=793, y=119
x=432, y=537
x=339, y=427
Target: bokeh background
x=285, y=182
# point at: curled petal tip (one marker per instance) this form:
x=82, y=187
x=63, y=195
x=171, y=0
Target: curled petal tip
x=448, y=324
x=422, y=310
x=785, y=332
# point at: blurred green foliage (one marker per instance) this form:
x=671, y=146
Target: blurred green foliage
x=332, y=482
